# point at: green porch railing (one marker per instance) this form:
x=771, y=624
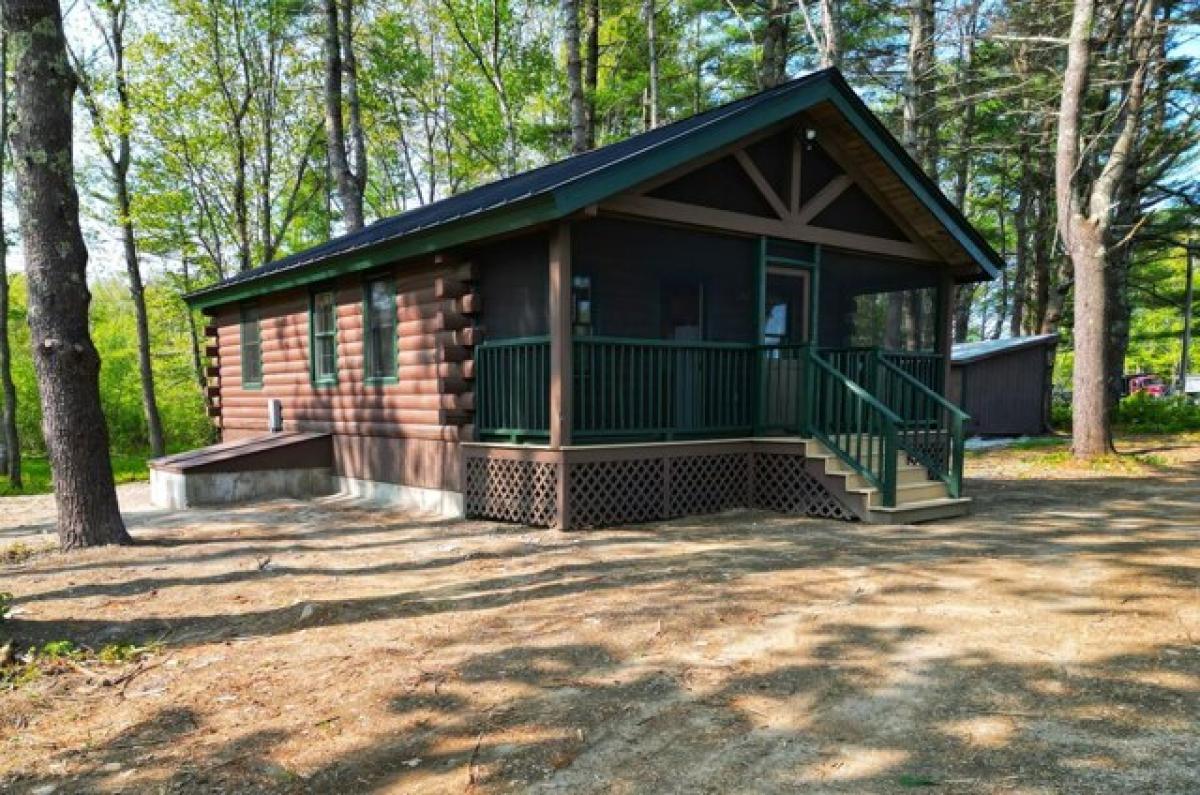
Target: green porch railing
x=861, y=364
x=853, y=424
x=643, y=389
x=923, y=366
x=862, y=404
x=636, y=388
x=931, y=427
x=512, y=380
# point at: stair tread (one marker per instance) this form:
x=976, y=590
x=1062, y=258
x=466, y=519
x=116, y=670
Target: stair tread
x=919, y=504
x=899, y=486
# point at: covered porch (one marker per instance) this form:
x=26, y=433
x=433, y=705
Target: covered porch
x=697, y=340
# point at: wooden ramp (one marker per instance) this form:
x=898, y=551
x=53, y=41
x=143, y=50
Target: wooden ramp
x=263, y=467
x=292, y=450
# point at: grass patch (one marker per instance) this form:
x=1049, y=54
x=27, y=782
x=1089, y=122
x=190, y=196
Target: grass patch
x=35, y=474
x=19, y=552
x=64, y=656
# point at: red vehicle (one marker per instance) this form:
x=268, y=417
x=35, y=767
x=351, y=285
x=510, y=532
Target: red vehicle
x=1148, y=383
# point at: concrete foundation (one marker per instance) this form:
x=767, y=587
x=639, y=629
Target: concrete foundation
x=177, y=490
x=434, y=502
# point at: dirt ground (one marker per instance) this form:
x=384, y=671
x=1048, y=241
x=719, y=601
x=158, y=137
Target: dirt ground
x=1048, y=643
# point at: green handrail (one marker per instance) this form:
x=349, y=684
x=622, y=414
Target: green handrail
x=853, y=424
x=930, y=430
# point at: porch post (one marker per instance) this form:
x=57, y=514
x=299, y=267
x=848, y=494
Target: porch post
x=560, y=335
x=945, y=327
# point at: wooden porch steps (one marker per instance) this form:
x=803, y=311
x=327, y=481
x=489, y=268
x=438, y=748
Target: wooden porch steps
x=918, y=497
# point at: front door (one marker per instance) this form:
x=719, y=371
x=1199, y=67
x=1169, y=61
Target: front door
x=786, y=321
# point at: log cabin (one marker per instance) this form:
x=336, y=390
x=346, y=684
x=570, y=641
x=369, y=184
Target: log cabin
x=748, y=308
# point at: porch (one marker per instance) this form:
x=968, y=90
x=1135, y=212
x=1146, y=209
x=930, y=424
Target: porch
x=678, y=364
x=662, y=428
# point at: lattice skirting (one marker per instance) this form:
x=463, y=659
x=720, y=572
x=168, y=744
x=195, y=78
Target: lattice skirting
x=643, y=485
x=782, y=483
x=511, y=490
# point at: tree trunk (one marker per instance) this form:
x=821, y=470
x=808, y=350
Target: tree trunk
x=154, y=428
x=772, y=70
x=1085, y=215
x=358, y=135
x=348, y=190
x=120, y=173
x=1091, y=425
x=831, y=35
x=964, y=297
x=920, y=128
x=578, y=105
x=651, y=12
x=65, y=360
x=12, y=443
x=1021, y=226
x=591, y=67
x=193, y=332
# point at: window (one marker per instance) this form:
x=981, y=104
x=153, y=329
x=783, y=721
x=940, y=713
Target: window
x=251, y=349
x=581, y=305
x=322, y=323
x=380, y=321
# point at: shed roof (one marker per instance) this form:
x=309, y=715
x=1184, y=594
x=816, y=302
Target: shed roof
x=566, y=186
x=966, y=352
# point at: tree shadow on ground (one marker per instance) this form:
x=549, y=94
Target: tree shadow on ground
x=841, y=720
x=866, y=707
x=1015, y=520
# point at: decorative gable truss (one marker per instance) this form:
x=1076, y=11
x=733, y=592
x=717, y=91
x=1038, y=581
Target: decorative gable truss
x=792, y=183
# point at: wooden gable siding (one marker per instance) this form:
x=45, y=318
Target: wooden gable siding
x=431, y=397
x=804, y=190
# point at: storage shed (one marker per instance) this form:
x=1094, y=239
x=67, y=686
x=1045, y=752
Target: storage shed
x=1002, y=385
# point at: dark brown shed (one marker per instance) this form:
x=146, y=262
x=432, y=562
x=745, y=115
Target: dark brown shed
x=1002, y=384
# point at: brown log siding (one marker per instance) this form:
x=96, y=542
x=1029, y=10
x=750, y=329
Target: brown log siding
x=429, y=405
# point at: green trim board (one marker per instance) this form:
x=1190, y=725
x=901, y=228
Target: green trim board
x=527, y=205
x=388, y=375
x=249, y=319
x=315, y=337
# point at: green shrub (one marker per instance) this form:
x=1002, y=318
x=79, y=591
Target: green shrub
x=60, y=650
x=1060, y=416
x=5, y=604
x=1141, y=413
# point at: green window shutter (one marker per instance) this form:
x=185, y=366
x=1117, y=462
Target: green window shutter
x=379, y=328
x=322, y=324
x=252, y=369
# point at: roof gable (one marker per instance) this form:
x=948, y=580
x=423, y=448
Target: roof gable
x=567, y=186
